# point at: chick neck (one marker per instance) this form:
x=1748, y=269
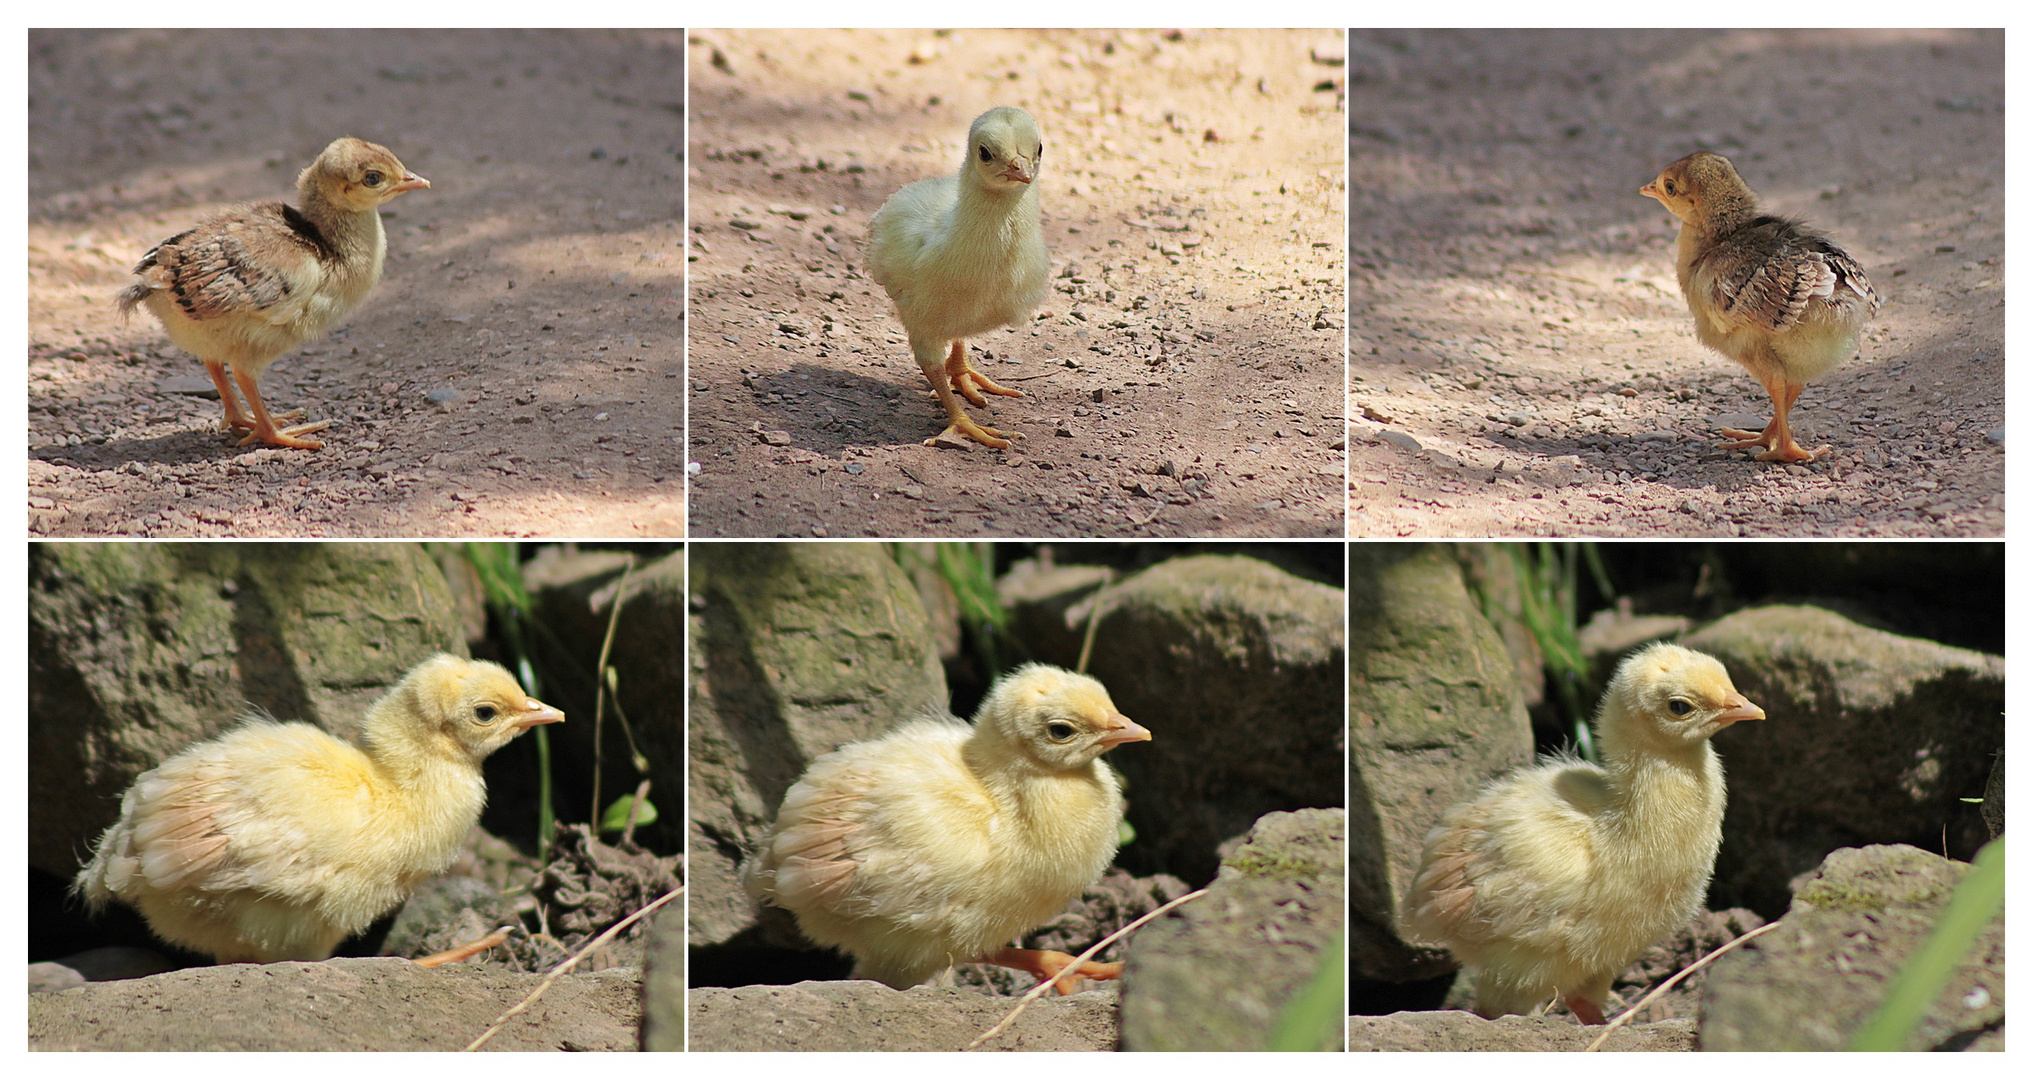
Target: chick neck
x=354, y=238
x=1730, y=206
x=415, y=760
x=994, y=219
x=1659, y=787
x=1024, y=788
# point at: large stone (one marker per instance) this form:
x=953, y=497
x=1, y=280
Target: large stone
x=796, y=650
x=1454, y=1032
x=1869, y=738
x=1434, y=713
x=1270, y=916
x=1236, y=667
x=363, y=1003
x=1811, y=983
x=136, y=651
x=663, y=982
x=861, y=1015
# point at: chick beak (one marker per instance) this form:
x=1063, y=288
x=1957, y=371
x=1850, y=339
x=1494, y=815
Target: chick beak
x=411, y=182
x=1737, y=708
x=1651, y=190
x=536, y=712
x=1019, y=170
x=1121, y=729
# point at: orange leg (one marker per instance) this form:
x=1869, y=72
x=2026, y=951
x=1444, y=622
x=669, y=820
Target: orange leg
x=467, y=951
x=1053, y=966
x=960, y=373
x=235, y=419
x=264, y=429
x=1777, y=438
x=1588, y=1012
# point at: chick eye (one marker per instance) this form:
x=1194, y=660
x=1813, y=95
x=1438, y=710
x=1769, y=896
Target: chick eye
x=985, y=156
x=1669, y=188
x=372, y=179
x=1059, y=730
x=1679, y=707
x=485, y=713
x=1040, y=155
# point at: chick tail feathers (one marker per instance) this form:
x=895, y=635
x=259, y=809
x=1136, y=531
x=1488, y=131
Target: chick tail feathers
x=132, y=297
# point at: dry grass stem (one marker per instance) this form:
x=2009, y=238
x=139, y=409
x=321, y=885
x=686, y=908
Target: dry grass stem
x=560, y=971
x=1669, y=984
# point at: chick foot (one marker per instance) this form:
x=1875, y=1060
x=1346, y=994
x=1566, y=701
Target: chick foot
x=467, y=951
x=1055, y=967
x=961, y=373
x=1588, y=1012
x=263, y=428
x=1779, y=445
x=958, y=423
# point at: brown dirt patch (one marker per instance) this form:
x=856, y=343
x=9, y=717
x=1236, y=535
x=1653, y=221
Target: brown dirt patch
x=1181, y=380
x=1521, y=361
x=538, y=286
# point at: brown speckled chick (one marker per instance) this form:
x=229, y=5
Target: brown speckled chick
x=1766, y=291
x=249, y=284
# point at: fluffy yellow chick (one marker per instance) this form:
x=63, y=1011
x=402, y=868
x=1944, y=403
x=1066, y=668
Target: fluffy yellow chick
x=247, y=285
x=1556, y=877
x=961, y=255
x=939, y=843
x=275, y=841
x=1766, y=291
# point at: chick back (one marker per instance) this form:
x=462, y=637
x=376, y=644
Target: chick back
x=1775, y=284
x=273, y=842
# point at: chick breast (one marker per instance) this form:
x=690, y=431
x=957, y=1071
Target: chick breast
x=895, y=851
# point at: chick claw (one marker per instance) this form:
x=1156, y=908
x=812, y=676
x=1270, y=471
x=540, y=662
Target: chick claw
x=964, y=427
x=1782, y=449
x=1056, y=967
x=960, y=373
x=288, y=436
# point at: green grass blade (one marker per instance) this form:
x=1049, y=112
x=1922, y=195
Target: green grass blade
x=1978, y=899
x=1313, y=1020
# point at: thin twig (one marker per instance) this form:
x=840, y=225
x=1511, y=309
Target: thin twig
x=1094, y=619
x=560, y=971
x=1671, y=983
x=600, y=684
x=634, y=808
x=1039, y=990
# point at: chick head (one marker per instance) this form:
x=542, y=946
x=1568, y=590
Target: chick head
x=476, y=704
x=1667, y=696
x=354, y=175
x=1697, y=186
x=1004, y=149
x=1057, y=719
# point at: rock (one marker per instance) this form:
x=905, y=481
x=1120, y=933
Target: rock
x=444, y=913
x=361, y=1003
x=663, y=982
x=136, y=651
x=1236, y=667
x=1870, y=738
x=1270, y=916
x=1811, y=984
x=1458, y=1031
x=796, y=650
x=1994, y=798
x=1434, y=713
x=863, y=1015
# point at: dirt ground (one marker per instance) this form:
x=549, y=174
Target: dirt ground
x=1182, y=379
x=518, y=370
x=1521, y=360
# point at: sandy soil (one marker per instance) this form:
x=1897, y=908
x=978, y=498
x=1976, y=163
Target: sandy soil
x=517, y=371
x=1521, y=360
x=1181, y=380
